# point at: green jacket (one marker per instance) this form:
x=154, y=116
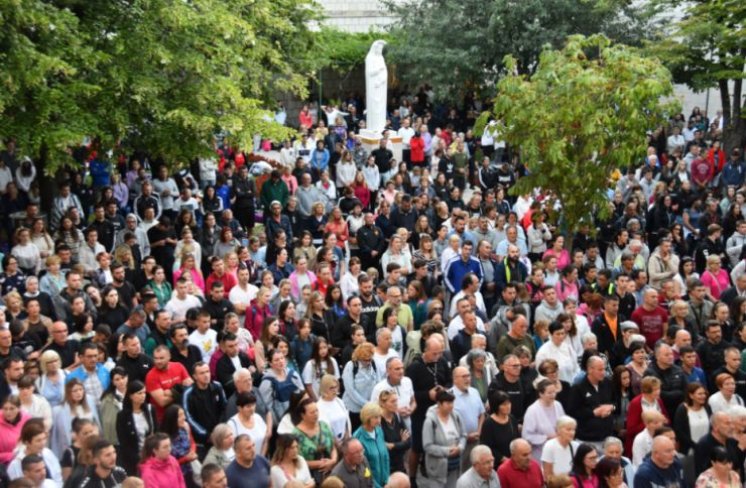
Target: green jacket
x=377, y=455
x=272, y=191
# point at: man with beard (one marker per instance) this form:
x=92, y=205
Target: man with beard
x=511, y=269
x=277, y=222
x=371, y=242
x=163, y=241
x=63, y=301
x=182, y=352
x=342, y=332
x=127, y=293
x=371, y=303
x=161, y=381
x=104, y=227
x=130, y=226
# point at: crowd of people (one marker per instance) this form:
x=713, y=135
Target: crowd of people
x=339, y=317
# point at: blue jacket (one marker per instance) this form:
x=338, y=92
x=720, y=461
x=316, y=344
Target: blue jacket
x=320, y=159
x=733, y=174
x=79, y=373
x=456, y=269
x=376, y=453
x=649, y=475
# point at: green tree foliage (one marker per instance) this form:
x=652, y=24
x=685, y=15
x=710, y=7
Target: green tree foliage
x=344, y=51
x=158, y=75
x=581, y=114
x=707, y=48
x=460, y=44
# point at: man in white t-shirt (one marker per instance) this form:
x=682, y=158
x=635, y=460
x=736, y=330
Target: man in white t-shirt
x=181, y=301
x=402, y=385
x=205, y=338
x=383, y=351
x=242, y=294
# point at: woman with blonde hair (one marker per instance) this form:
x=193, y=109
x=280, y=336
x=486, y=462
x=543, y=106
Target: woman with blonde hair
x=332, y=408
x=359, y=377
x=51, y=383
x=187, y=245
x=371, y=437
x=41, y=238
x=396, y=253
x=395, y=432
x=76, y=405
x=189, y=267
x=123, y=254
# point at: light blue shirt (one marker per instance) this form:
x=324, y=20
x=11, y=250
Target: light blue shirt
x=469, y=406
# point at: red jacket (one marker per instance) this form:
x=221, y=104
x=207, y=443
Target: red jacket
x=417, y=149
x=711, y=159
x=634, y=420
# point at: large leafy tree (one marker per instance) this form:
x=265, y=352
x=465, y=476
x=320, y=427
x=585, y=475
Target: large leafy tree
x=582, y=113
x=460, y=44
x=161, y=76
x=707, y=48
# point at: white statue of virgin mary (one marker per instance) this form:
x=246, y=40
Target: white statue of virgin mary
x=376, y=87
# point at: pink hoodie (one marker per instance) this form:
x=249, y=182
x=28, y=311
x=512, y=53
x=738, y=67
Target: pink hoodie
x=157, y=473
x=9, y=435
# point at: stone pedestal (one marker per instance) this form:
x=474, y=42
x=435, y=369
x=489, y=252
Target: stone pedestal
x=371, y=141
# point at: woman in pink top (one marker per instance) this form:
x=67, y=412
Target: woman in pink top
x=583, y=467
x=189, y=265
x=715, y=278
x=160, y=469
x=558, y=250
x=11, y=423
x=568, y=284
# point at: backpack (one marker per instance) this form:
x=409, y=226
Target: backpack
x=282, y=390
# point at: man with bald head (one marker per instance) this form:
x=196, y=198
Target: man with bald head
x=662, y=468
x=720, y=435
x=650, y=317
x=429, y=373
x=520, y=471
x=470, y=407
x=592, y=404
x=673, y=380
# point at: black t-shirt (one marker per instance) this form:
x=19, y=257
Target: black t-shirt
x=67, y=351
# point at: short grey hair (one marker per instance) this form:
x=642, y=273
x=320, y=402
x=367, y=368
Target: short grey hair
x=588, y=336
x=516, y=442
x=239, y=373
x=612, y=441
x=477, y=452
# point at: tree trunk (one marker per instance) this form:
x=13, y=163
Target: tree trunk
x=734, y=126
x=46, y=184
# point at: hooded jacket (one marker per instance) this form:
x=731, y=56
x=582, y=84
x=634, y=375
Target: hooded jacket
x=9, y=435
x=157, y=473
x=433, y=472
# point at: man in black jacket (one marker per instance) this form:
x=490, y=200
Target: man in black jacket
x=673, y=380
x=509, y=380
x=383, y=156
x=243, y=193
x=203, y=402
x=342, y=331
x=134, y=361
x=429, y=373
x=104, y=471
x=226, y=365
x=592, y=404
x=721, y=435
x=371, y=242
x=711, y=350
x=733, y=368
